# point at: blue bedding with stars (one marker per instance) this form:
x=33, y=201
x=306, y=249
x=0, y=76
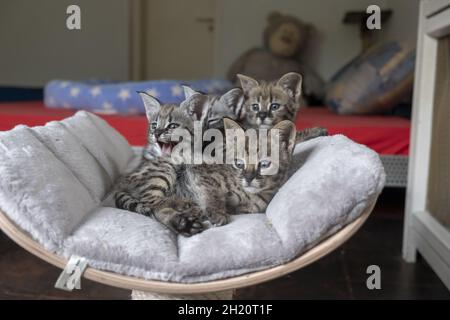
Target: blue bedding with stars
x=121, y=97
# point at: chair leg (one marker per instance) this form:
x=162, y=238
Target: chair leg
x=145, y=295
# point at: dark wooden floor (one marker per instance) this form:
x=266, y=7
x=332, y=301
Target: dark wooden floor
x=340, y=275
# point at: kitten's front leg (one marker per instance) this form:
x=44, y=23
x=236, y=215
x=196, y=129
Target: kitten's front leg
x=125, y=200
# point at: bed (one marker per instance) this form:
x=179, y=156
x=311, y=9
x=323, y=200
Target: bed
x=387, y=135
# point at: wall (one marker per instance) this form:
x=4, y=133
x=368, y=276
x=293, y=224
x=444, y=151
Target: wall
x=404, y=23
x=35, y=45
x=240, y=25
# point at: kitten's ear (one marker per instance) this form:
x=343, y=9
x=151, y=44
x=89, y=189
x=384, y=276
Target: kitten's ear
x=151, y=104
x=287, y=133
x=196, y=106
x=292, y=83
x=188, y=92
x=232, y=97
x=231, y=124
x=247, y=83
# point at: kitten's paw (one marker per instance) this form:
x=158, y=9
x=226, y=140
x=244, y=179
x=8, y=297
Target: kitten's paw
x=182, y=216
x=187, y=224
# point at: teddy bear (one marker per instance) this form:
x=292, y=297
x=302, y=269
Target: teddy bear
x=285, y=38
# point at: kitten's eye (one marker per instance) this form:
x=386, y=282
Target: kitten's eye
x=153, y=125
x=239, y=163
x=173, y=125
x=264, y=164
x=255, y=107
x=274, y=106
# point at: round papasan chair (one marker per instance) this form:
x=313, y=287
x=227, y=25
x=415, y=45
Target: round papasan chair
x=55, y=201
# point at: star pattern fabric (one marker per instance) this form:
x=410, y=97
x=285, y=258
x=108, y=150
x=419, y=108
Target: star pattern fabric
x=122, y=97
x=95, y=91
x=74, y=92
x=177, y=91
x=124, y=94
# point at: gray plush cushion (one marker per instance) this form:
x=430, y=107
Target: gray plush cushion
x=56, y=181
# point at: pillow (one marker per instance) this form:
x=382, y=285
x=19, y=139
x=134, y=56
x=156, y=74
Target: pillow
x=120, y=97
x=373, y=82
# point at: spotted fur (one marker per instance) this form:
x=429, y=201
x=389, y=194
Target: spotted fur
x=260, y=173
x=163, y=119
x=150, y=189
x=189, y=198
x=229, y=105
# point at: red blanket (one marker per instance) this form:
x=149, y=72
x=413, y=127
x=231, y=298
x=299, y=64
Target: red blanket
x=385, y=134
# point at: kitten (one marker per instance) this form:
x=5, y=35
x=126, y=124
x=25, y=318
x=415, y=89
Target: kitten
x=244, y=186
x=149, y=189
x=261, y=169
x=156, y=187
x=187, y=198
x=268, y=103
x=229, y=105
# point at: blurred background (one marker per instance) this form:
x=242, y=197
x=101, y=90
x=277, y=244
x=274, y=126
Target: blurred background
x=156, y=39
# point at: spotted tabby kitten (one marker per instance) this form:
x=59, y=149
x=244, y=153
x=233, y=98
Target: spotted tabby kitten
x=151, y=189
x=221, y=190
x=248, y=183
x=229, y=105
x=148, y=190
x=181, y=197
x=260, y=172
x=268, y=103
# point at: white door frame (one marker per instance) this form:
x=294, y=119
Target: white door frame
x=421, y=231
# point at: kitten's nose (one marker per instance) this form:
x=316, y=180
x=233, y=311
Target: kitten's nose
x=158, y=132
x=249, y=176
x=262, y=114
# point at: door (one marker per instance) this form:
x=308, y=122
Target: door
x=178, y=39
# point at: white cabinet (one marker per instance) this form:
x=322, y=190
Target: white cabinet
x=428, y=188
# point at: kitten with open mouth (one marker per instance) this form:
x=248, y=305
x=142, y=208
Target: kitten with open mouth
x=166, y=148
x=164, y=121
